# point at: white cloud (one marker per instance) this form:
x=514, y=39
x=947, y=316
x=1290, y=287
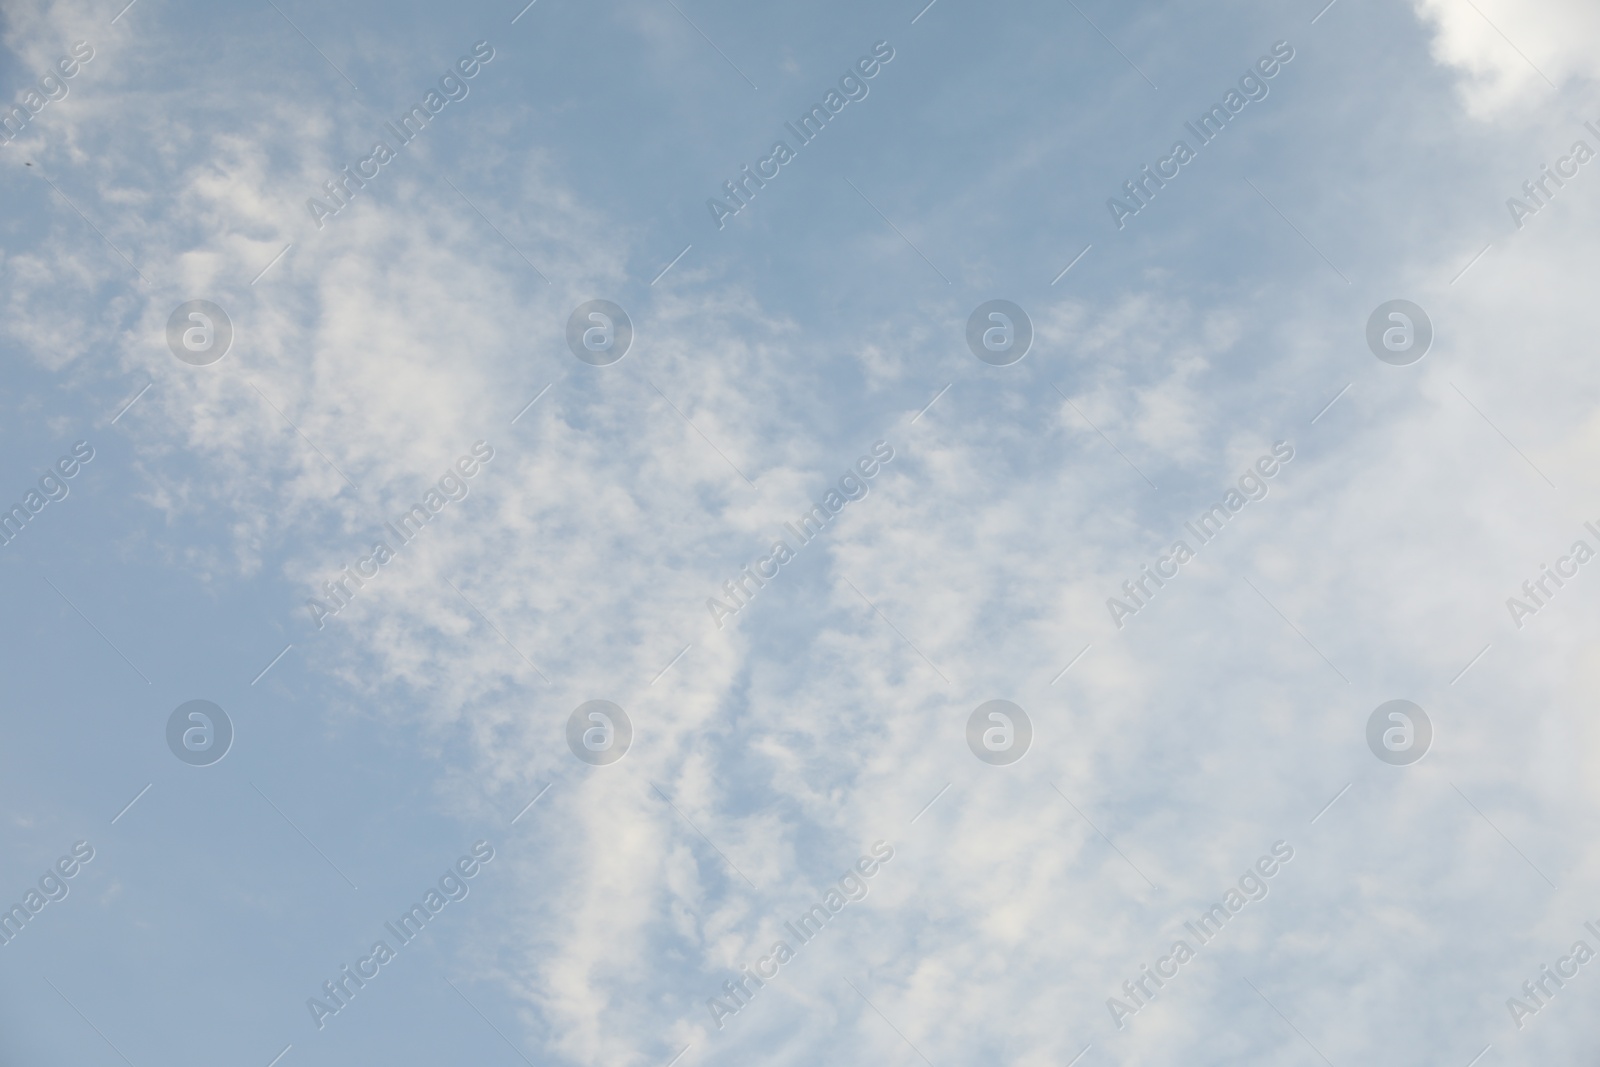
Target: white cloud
x=1194, y=738
x=1512, y=56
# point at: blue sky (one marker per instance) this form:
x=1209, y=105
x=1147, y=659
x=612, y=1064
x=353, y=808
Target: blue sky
x=368, y=355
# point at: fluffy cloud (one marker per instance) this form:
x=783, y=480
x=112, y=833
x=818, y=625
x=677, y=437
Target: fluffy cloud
x=1512, y=55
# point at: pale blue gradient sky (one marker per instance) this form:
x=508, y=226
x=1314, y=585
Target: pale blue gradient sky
x=774, y=751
